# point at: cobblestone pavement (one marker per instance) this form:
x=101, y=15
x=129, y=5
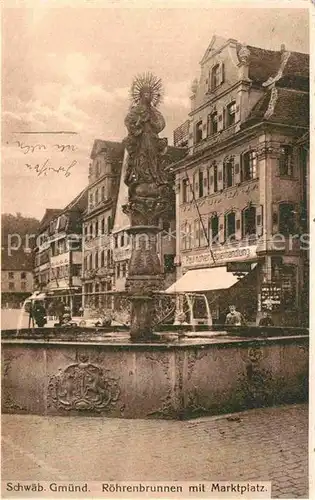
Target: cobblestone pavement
x=268, y=444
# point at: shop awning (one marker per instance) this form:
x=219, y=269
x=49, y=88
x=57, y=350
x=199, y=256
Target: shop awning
x=203, y=280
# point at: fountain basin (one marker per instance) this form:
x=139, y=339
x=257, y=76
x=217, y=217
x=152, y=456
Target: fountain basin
x=98, y=372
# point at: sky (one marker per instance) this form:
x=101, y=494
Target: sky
x=70, y=70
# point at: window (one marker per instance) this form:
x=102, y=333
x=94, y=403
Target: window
x=96, y=260
x=285, y=161
x=103, y=226
x=230, y=226
x=123, y=269
x=230, y=114
x=229, y=173
x=214, y=228
x=11, y=286
x=90, y=231
x=109, y=257
x=96, y=197
x=169, y=266
x=213, y=123
x=286, y=219
x=11, y=275
x=109, y=224
x=102, y=258
x=96, y=228
x=213, y=178
x=249, y=166
x=185, y=190
x=76, y=270
x=215, y=76
x=249, y=221
x=91, y=261
x=197, y=233
x=103, y=193
x=198, y=132
x=115, y=241
x=200, y=183
x=91, y=199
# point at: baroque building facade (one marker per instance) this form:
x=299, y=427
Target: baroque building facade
x=98, y=267
x=58, y=254
x=241, y=190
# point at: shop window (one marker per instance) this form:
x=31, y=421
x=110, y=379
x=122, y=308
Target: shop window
x=214, y=228
x=229, y=175
x=185, y=190
x=212, y=124
x=288, y=280
x=169, y=266
x=286, y=219
x=285, y=161
x=230, y=114
x=249, y=221
x=249, y=166
x=198, y=132
x=230, y=226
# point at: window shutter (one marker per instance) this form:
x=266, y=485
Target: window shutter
x=237, y=113
x=275, y=218
x=221, y=229
x=220, y=177
x=259, y=220
x=238, y=225
x=221, y=73
x=237, y=170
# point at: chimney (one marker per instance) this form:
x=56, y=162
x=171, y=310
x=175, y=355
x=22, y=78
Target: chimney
x=282, y=47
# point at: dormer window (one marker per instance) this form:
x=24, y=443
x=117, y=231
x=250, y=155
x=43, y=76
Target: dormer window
x=198, y=132
x=230, y=114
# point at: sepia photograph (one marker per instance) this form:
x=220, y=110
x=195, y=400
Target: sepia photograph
x=155, y=250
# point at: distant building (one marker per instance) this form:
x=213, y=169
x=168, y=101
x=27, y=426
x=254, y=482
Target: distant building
x=244, y=180
x=16, y=277
x=104, y=175
x=58, y=255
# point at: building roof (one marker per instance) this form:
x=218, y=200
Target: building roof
x=19, y=260
x=79, y=203
x=50, y=214
x=114, y=149
x=279, y=105
x=264, y=64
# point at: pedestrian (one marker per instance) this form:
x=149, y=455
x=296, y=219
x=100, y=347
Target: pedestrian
x=234, y=317
x=266, y=319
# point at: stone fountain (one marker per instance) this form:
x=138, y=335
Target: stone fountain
x=150, y=195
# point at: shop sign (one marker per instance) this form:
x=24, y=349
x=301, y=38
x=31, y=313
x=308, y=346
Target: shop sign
x=238, y=267
x=271, y=296
x=220, y=256
x=60, y=260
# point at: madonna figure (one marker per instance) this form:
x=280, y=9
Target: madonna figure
x=144, y=122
